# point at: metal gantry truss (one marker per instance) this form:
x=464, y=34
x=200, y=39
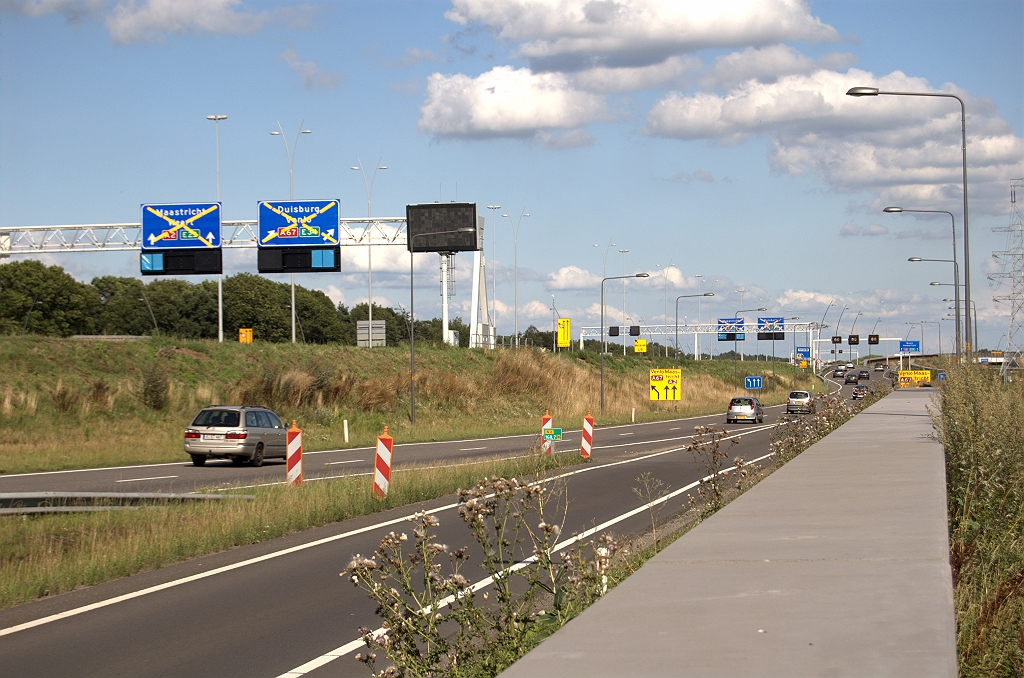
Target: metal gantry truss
x=128, y=236
x=1012, y=259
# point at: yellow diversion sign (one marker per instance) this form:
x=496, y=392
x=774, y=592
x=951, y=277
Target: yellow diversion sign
x=564, y=333
x=665, y=384
x=914, y=378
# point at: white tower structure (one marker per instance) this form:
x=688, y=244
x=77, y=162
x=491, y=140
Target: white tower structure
x=1012, y=259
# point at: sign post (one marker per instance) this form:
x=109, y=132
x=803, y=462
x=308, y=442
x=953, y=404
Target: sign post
x=298, y=236
x=294, y=456
x=181, y=239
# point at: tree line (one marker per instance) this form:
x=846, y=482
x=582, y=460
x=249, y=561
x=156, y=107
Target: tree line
x=46, y=300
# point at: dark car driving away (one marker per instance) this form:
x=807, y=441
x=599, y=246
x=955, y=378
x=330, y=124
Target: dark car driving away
x=239, y=433
x=851, y=378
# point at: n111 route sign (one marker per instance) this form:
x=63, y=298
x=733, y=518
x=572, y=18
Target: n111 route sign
x=297, y=223
x=184, y=225
x=665, y=384
x=752, y=382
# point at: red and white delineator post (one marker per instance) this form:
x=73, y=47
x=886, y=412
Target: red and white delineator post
x=382, y=465
x=587, y=439
x=294, y=456
x=545, y=422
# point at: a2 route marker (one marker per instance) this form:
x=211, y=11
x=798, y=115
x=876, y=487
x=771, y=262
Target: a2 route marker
x=294, y=456
x=382, y=465
x=587, y=439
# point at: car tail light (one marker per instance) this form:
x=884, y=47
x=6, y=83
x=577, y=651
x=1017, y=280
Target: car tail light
x=237, y=435
x=191, y=434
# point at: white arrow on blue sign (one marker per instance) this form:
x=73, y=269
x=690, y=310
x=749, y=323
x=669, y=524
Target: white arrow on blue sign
x=752, y=382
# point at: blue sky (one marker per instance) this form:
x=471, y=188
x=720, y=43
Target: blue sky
x=712, y=138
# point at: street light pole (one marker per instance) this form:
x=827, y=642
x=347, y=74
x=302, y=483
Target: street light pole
x=515, y=263
x=494, y=270
x=687, y=296
x=369, y=242
x=603, y=281
x=623, y=276
x=290, y=155
x=956, y=273
x=665, y=274
x=874, y=91
x=220, y=277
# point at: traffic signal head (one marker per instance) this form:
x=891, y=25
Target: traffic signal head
x=613, y=331
x=634, y=330
x=872, y=338
x=837, y=340
x=853, y=339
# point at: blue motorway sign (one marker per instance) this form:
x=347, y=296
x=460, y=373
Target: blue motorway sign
x=941, y=376
x=181, y=225
x=910, y=347
x=771, y=324
x=803, y=352
x=730, y=325
x=302, y=223
x=752, y=382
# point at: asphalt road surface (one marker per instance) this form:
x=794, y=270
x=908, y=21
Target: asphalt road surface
x=279, y=608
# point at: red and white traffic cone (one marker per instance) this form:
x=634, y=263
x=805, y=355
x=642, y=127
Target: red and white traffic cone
x=294, y=456
x=382, y=465
x=587, y=439
x=545, y=422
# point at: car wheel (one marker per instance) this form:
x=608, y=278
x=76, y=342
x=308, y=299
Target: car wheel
x=257, y=456
x=198, y=459
x=238, y=461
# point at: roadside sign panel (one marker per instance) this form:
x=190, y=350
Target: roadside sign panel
x=639, y=346
x=941, y=376
x=181, y=225
x=665, y=384
x=731, y=325
x=752, y=382
x=297, y=223
x=244, y=335
x=803, y=352
x=910, y=347
x=803, y=364
x=552, y=434
x=564, y=333
x=771, y=324
x=912, y=378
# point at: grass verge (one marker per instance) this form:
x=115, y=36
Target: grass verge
x=980, y=422
x=45, y=555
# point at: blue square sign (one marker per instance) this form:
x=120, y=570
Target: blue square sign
x=752, y=382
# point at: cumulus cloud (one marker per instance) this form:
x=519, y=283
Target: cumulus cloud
x=72, y=10
x=505, y=102
x=849, y=229
x=767, y=64
x=571, y=35
x=312, y=75
x=605, y=80
x=904, y=149
x=572, y=278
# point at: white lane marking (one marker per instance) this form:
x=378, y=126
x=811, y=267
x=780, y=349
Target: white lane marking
x=350, y=461
x=675, y=429
x=302, y=547
x=138, y=480
x=353, y=645
x=627, y=434
x=472, y=449
x=83, y=470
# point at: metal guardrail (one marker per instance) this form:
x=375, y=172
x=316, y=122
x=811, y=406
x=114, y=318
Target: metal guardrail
x=16, y=503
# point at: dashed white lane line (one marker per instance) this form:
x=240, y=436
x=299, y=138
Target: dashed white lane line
x=349, y=461
x=139, y=480
x=627, y=434
x=472, y=449
x=302, y=547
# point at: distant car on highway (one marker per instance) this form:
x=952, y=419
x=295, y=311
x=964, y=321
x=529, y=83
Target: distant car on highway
x=849, y=366
x=880, y=367
x=863, y=374
x=859, y=392
x=851, y=378
x=799, y=401
x=839, y=372
x=239, y=433
x=747, y=408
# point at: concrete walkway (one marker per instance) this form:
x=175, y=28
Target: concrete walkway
x=835, y=565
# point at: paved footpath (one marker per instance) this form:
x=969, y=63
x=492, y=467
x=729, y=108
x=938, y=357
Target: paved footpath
x=835, y=565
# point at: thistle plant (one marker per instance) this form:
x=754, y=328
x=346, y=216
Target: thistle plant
x=709, y=455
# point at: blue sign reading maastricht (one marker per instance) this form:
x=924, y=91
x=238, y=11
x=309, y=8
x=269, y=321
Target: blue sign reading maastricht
x=181, y=225
x=771, y=324
x=303, y=223
x=910, y=346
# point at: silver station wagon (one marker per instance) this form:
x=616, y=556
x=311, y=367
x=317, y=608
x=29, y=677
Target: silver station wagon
x=744, y=408
x=239, y=433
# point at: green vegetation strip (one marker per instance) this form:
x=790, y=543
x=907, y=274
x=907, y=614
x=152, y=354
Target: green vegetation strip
x=45, y=555
x=981, y=425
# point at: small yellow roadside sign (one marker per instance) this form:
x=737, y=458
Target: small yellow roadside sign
x=665, y=384
x=639, y=346
x=564, y=333
x=803, y=364
x=914, y=378
x=244, y=335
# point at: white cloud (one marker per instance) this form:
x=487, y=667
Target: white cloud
x=573, y=278
x=534, y=310
x=72, y=10
x=579, y=34
x=505, y=102
x=904, y=149
x=312, y=75
x=767, y=64
x=604, y=80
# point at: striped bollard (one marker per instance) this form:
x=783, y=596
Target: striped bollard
x=382, y=465
x=587, y=439
x=294, y=456
x=545, y=422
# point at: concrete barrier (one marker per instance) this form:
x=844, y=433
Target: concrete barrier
x=835, y=565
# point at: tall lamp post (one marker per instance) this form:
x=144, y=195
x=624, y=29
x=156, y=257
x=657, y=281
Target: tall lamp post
x=686, y=296
x=369, y=242
x=494, y=268
x=821, y=325
x=873, y=92
x=603, y=281
x=852, y=328
x=515, y=262
x=220, y=278
x=412, y=319
x=956, y=269
x=290, y=155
